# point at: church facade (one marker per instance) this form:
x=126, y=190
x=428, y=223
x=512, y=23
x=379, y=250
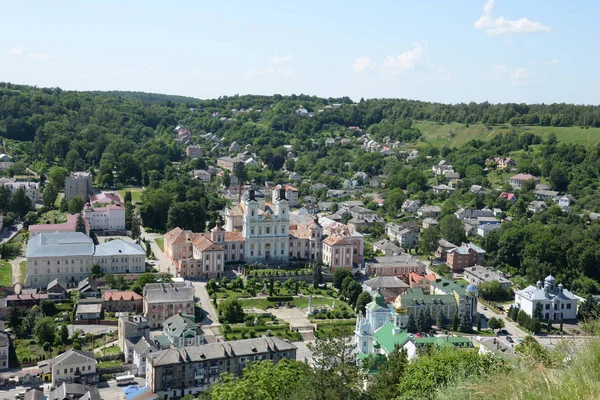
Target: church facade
x=258, y=231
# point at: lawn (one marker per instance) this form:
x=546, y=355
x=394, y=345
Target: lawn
x=136, y=194
x=160, y=242
x=5, y=274
x=263, y=303
x=237, y=332
x=54, y=216
x=107, y=351
x=23, y=270
x=28, y=350
x=327, y=329
x=110, y=364
x=457, y=134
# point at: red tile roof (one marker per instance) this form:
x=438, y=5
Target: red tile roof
x=117, y=296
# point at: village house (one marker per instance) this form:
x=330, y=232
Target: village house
x=201, y=175
x=479, y=274
x=500, y=162
x=429, y=222
x=406, y=235
x=387, y=247
x=537, y=206
x=411, y=206
x=182, y=330
x=518, y=180
x=423, y=282
x=74, y=366
x=87, y=312
x=400, y=265
x=229, y=163
x=508, y=196
x=429, y=211
x=194, y=151
x=389, y=287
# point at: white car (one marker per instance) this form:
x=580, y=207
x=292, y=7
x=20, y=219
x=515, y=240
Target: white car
x=484, y=308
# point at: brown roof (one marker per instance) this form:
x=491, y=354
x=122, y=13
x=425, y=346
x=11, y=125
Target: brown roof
x=234, y=237
x=117, y=296
x=336, y=240
x=203, y=243
x=303, y=233
x=175, y=235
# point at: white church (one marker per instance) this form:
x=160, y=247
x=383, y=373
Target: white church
x=557, y=302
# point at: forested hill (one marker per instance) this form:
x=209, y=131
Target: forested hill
x=147, y=97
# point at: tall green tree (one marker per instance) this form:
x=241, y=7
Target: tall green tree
x=452, y=229
x=317, y=275
x=428, y=239
x=361, y=303
x=76, y=205
x=338, y=277
x=50, y=195
x=80, y=224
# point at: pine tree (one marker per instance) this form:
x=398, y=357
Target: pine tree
x=271, y=286
x=422, y=321
x=465, y=324
x=148, y=249
x=135, y=228
x=440, y=320
x=455, y=322
x=411, y=325
x=80, y=224
x=479, y=323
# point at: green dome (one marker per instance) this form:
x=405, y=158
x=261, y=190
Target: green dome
x=378, y=301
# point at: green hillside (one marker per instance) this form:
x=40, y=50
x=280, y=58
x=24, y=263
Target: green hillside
x=456, y=134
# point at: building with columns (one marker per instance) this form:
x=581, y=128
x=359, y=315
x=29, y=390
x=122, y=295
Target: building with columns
x=258, y=231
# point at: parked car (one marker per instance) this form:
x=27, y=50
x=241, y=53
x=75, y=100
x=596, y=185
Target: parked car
x=503, y=332
x=510, y=339
x=484, y=308
x=520, y=340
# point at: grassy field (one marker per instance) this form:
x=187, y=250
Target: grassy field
x=160, y=242
x=327, y=329
x=237, y=332
x=298, y=302
x=27, y=349
x=456, y=134
x=5, y=274
x=136, y=194
x=54, y=216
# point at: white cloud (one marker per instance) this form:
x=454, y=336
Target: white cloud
x=405, y=61
x=17, y=51
x=517, y=76
x=500, y=25
x=362, y=64
x=552, y=62
x=40, y=56
x=276, y=59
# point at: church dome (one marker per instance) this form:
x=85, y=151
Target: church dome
x=378, y=301
x=550, y=279
x=471, y=288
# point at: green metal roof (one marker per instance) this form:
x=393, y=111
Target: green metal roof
x=387, y=339
x=378, y=302
x=415, y=296
x=446, y=341
x=448, y=285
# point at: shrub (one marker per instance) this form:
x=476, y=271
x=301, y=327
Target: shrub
x=280, y=298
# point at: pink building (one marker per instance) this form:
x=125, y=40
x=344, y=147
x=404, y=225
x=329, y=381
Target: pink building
x=69, y=226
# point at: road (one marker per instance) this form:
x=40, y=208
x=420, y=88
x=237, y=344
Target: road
x=110, y=391
x=303, y=353
x=211, y=318
x=162, y=263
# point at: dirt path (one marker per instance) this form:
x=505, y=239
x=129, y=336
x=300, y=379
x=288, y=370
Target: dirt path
x=16, y=270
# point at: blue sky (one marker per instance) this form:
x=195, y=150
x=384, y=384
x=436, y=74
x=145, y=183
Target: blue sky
x=436, y=50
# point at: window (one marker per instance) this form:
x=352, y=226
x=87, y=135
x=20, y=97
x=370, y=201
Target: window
x=547, y=306
x=568, y=306
x=268, y=230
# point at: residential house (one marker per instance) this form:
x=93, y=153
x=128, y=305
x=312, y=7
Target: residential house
x=565, y=201
x=291, y=194
x=56, y=290
x=182, y=330
x=294, y=176
x=441, y=168
x=451, y=175
x=508, y=196
x=429, y=211
x=485, y=229
x=201, y=175
x=127, y=301
x=439, y=189
x=464, y=256
x=190, y=370
x=412, y=155
x=443, y=248
x=387, y=247
x=131, y=326
x=87, y=288
x=557, y=302
x=545, y=194
x=477, y=189
x=465, y=296
x=478, y=274
x=406, y=235
x=163, y=300
x=194, y=151
x=471, y=214
x=500, y=162
x=429, y=222
x=86, y=312
x=78, y=184
x=137, y=349
x=31, y=189
x=229, y=163
x=34, y=394
x=518, y=180
x=74, y=366
x=537, y=206
x=411, y=206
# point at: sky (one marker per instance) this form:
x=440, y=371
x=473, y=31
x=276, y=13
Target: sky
x=533, y=51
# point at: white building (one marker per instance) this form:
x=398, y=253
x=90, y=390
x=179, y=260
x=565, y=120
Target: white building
x=69, y=256
x=557, y=302
x=78, y=184
x=74, y=366
x=109, y=218
x=291, y=194
x=32, y=189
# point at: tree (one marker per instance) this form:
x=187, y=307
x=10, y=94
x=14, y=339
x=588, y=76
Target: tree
x=127, y=197
x=148, y=249
x=428, y=239
x=494, y=323
x=44, y=330
x=386, y=382
x=338, y=277
x=135, y=228
x=452, y=229
x=494, y=291
x=455, y=322
x=317, y=275
x=230, y=310
x=187, y=215
x=411, y=324
x=31, y=217
x=538, y=312
x=479, y=323
x=361, y=303
x=57, y=176
x=347, y=280
x=64, y=205
x=155, y=208
x=422, y=321
x=63, y=334
x=80, y=225
x=20, y=203
x=465, y=324
x=76, y=205
x=271, y=286
x=353, y=290
x=50, y=195
x=440, y=321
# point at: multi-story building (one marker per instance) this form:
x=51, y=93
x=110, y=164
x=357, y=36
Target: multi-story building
x=229, y=163
x=128, y=301
x=109, y=218
x=120, y=257
x=518, y=180
x=177, y=372
x=194, y=151
x=465, y=297
x=400, y=265
x=4, y=349
x=69, y=226
x=337, y=252
x=291, y=194
x=31, y=189
x=74, y=366
x=78, y=184
x=405, y=235
x=163, y=300
x=557, y=302
x=182, y=330
x=132, y=326
x=415, y=300
x=478, y=274
x=421, y=281
x=467, y=255
x=69, y=256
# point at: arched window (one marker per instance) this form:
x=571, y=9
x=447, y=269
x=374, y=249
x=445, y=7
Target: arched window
x=268, y=230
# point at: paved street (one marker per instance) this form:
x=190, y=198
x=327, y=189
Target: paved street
x=110, y=391
x=303, y=353
x=162, y=263
x=205, y=303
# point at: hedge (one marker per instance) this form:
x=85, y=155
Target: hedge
x=280, y=298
